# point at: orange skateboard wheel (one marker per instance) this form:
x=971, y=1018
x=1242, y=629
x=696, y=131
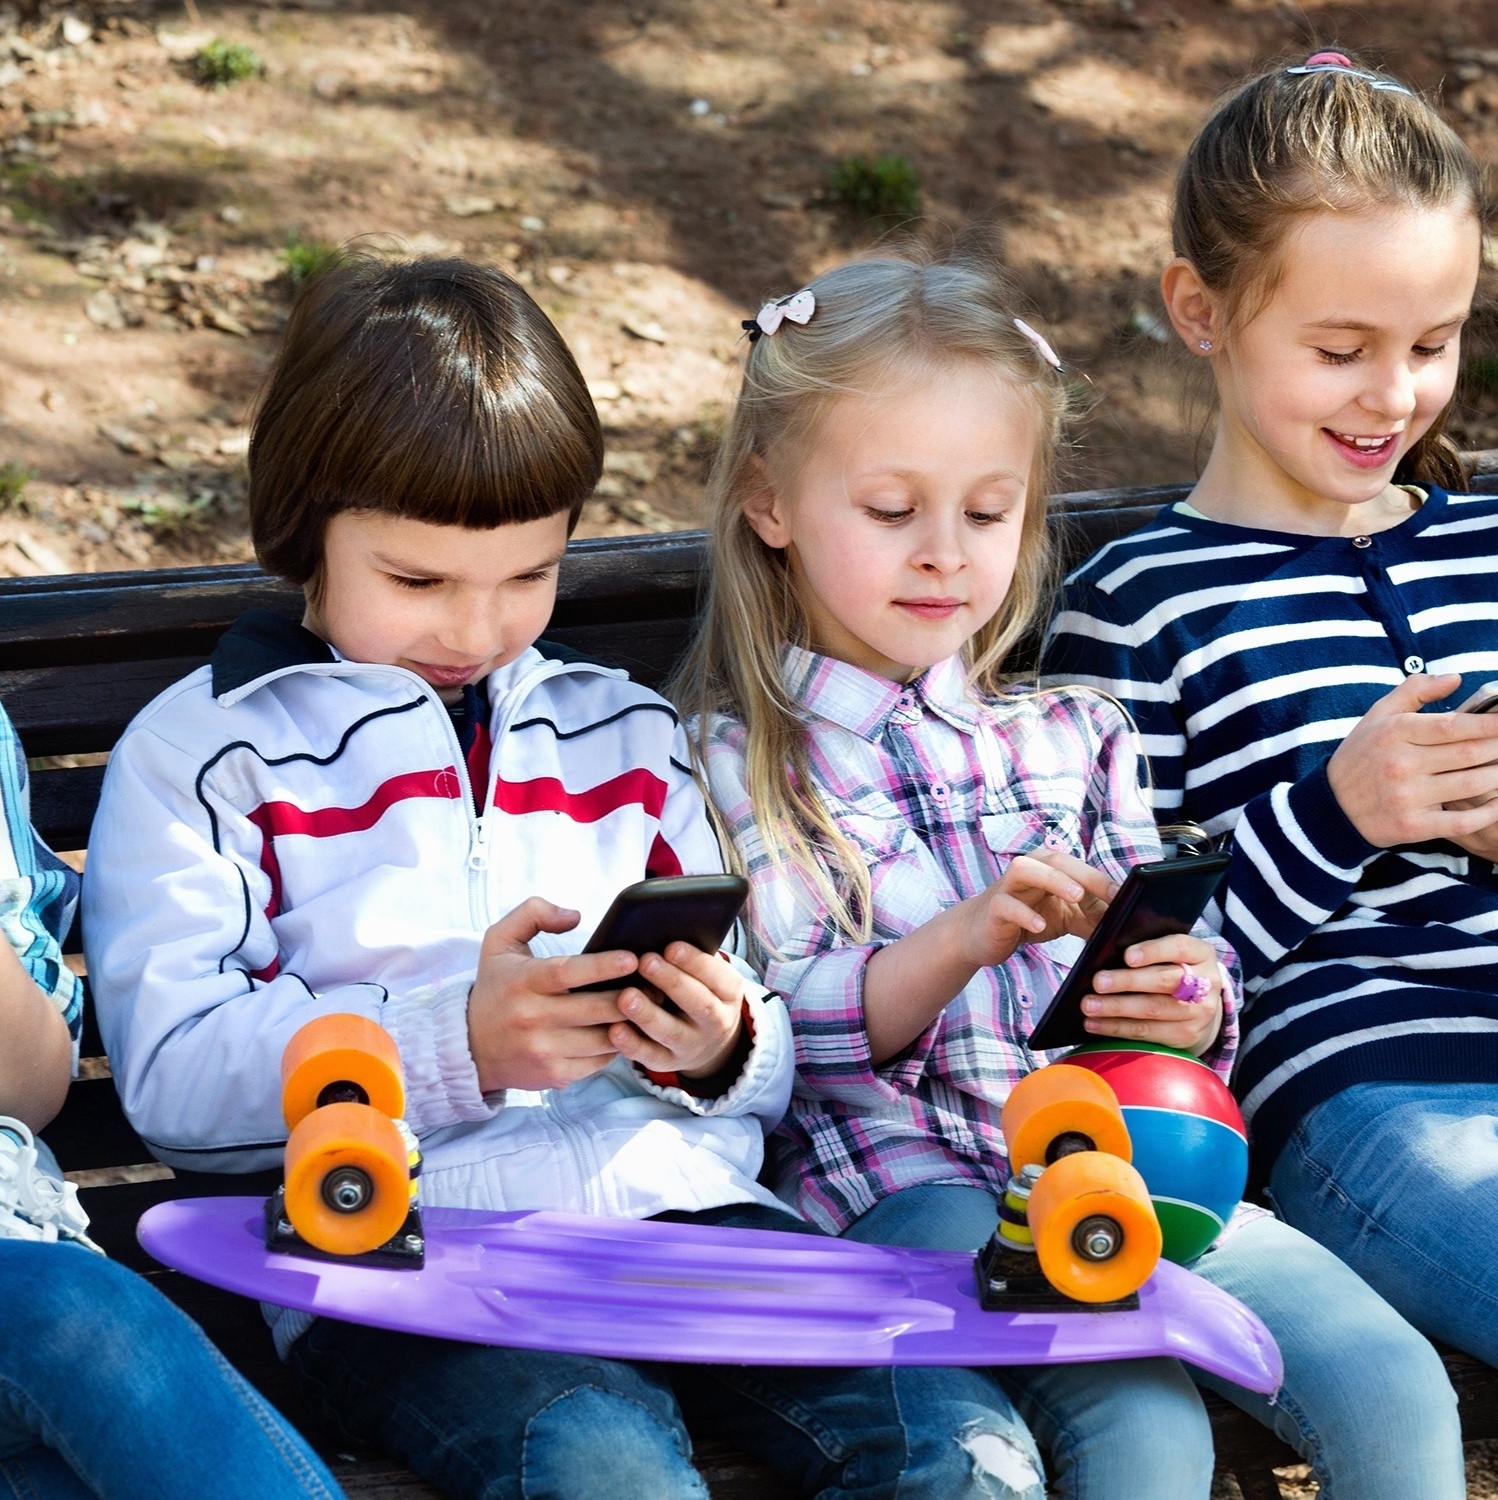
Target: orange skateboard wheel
x=1049, y=1105
x=1095, y=1229
x=348, y=1185
x=341, y=1059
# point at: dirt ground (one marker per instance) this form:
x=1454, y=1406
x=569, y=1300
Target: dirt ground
x=651, y=168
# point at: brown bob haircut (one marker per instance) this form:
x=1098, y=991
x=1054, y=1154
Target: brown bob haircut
x=431, y=389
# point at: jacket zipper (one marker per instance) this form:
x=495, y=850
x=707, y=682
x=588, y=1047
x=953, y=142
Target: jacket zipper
x=582, y=1151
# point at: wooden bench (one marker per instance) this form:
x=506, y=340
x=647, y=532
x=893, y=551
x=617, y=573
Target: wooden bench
x=80, y=654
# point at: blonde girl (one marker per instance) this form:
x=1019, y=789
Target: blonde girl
x=1290, y=641
x=927, y=844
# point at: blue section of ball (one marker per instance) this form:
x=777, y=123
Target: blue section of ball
x=1189, y=1158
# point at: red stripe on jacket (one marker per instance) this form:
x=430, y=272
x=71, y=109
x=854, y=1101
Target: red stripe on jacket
x=275, y=819
x=547, y=794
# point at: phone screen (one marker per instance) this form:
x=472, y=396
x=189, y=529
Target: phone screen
x=652, y=914
x=1160, y=898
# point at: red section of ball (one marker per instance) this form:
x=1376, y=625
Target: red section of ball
x=1160, y=1078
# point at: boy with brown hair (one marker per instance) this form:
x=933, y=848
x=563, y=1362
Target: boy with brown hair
x=410, y=807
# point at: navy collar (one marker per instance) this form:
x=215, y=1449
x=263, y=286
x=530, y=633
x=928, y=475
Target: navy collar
x=259, y=642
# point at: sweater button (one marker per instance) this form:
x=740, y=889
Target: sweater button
x=1362, y=541
x=1414, y=665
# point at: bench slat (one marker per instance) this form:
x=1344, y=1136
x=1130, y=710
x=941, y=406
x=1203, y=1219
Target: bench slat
x=91, y=1130
x=125, y=616
x=63, y=803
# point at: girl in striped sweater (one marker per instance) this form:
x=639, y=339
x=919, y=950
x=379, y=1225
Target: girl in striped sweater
x=1291, y=642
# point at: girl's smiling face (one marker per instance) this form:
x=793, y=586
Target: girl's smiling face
x=1343, y=369
x=902, y=521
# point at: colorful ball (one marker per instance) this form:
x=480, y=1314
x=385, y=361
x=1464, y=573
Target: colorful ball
x=1190, y=1144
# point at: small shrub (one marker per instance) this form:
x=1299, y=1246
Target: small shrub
x=166, y=513
x=308, y=258
x=14, y=478
x=879, y=187
x=222, y=63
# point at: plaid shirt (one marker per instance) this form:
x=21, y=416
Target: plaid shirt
x=38, y=892
x=938, y=792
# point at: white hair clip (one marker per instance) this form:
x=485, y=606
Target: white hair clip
x=1340, y=62
x=798, y=307
x=1042, y=348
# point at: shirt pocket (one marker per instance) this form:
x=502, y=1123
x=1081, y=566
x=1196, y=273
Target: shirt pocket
x=908, y=884
x=1023, y=830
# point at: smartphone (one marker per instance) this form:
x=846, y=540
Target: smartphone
x=652, y=914
x=1483, y=701
x=1156, y=899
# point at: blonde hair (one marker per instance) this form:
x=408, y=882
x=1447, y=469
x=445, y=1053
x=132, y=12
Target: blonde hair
x=1291, y=143
x=875, y=320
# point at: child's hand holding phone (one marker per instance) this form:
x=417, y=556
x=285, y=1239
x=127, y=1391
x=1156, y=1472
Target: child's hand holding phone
x=1171, y=993
x=525, y=1029
x=700, y=1037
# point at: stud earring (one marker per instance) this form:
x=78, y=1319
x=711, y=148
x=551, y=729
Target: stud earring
x=1205, y=345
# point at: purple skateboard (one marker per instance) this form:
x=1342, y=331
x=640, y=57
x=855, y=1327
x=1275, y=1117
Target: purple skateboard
x=633, y=1289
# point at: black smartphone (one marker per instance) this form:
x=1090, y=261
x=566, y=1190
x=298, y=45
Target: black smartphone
x=1156, y=899
x=651, y=914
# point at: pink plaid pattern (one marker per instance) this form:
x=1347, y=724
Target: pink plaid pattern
x=938, y=791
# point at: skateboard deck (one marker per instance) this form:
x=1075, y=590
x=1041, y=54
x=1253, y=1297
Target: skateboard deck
x=637, y=1289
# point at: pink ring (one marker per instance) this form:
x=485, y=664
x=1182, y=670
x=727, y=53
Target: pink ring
x=1325, y=59
x=1192, y=988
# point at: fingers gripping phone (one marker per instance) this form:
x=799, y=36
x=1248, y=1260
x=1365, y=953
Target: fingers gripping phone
x=650, y=915
x=1156, y=900
x=1483, y=701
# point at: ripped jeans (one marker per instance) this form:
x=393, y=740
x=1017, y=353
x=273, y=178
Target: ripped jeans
x=482, y=1423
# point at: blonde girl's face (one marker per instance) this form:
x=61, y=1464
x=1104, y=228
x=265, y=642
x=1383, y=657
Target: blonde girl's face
x=902, y=518
x=1352, y=358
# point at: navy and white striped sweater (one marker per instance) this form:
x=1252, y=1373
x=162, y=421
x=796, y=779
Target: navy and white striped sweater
x=1245, y=657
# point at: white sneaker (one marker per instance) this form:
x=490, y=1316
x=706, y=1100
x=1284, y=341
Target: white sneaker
x=33, y=1204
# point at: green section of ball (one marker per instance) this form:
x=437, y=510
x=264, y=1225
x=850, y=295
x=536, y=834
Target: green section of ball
x=1186, y=1231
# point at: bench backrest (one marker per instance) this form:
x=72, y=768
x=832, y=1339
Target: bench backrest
x=80, y=654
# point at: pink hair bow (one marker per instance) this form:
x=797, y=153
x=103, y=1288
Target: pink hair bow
x=798, y=308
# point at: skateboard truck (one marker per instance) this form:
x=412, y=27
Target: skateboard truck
x=405, y=1250
x=1076, y=1227
x=353, y=1164
x=1009, y=1275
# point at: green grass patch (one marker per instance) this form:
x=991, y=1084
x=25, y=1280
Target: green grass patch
x=14, y=478
x=305, y=259
x=167, y=513
x=222, y=63
x=876, y=187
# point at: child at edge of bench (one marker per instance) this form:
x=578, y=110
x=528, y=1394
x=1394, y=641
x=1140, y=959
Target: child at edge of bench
x=94, y=1361
x=410, y=807
x=1302, y=696
x=927, y=841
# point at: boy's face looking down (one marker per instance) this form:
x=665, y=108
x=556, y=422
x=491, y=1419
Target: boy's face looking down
x=444, y=602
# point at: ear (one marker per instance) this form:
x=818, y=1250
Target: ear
x=1191, y=307
x=762, y=506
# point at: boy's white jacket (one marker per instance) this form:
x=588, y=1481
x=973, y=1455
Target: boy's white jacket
x=285, y=834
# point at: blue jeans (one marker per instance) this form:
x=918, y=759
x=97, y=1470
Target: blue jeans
x=107, y=1390
x=484, y=1423
x=1401, y=1181
x=1365, y=1401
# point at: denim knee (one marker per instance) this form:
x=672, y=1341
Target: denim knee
x=595, y=1444
x=963, y=1439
